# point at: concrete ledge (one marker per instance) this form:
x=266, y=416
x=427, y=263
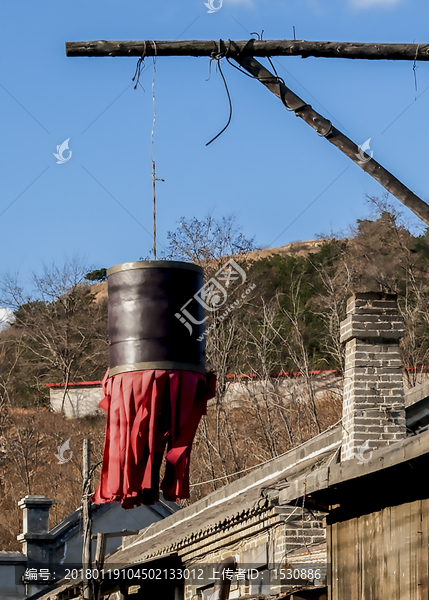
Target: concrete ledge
x=12, y=558
x=417, y=393
x=27, y=537
x=36, y=501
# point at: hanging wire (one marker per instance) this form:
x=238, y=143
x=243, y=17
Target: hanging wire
x=153, y=103
x=415, y=67
x=235, y=66
x=140, y=67
x=229, y=101
x=210, y=70
x=275, y=79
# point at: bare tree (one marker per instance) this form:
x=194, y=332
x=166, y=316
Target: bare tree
x=208, y=240
x=263, y=358
x=296, y=344
x=61, y=327
x=330, y=305
x=222, y=351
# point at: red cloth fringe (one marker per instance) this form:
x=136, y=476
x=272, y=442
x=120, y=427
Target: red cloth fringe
x=147, y=412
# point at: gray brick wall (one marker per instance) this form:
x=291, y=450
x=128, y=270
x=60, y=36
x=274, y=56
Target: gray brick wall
x=266, y=540
x=373, y=401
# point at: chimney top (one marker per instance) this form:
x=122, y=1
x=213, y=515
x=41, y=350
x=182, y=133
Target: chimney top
x=35, y=517
x=35, y=501
x=373, y=303
x=373, y=316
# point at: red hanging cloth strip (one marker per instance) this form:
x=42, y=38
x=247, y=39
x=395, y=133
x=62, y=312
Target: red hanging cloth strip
x=147, y=412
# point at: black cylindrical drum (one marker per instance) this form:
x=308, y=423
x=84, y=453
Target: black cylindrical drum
x=156, y=317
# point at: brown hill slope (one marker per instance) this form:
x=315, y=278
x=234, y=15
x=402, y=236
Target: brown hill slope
x=292, y=249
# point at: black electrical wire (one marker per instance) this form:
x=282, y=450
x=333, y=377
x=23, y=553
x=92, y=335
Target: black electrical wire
x=230, y=104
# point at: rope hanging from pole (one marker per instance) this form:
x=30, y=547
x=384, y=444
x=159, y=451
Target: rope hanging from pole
x=139, y=70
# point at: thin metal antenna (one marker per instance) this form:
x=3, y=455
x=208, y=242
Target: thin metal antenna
x=154, y=177
x=154, y=209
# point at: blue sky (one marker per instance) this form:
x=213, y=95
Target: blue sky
x=266, y=168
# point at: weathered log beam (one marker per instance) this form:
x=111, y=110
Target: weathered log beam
x=325, y=129
x=250, y=48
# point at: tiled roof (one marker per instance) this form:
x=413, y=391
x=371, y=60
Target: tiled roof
x=230, y=505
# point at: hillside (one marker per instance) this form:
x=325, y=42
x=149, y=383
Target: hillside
x=293, y=249
x=300, y=294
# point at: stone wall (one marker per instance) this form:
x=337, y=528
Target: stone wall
x=260, y=545
x=283, y=388
x=79, y=401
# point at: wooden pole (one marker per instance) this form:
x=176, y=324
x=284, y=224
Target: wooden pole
x=100, y=553
x=354, y=50
x=325, y=129
x=86, y=518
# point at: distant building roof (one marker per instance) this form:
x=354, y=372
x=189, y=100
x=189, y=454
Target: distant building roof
x=274, y=375
x=232, y=376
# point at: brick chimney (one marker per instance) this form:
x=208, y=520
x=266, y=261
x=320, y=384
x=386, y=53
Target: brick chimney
x=35, y=521
x=373, y=403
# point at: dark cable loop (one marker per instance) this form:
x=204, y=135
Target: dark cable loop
x=415, y=67
x=273, y=79
x=138, y=70
x=280, y=81
x=260, y=36
x=245, y=46
x=210, y=69
x=241, y=70
x=277, y=79
x=230, y=104
x=227, y=51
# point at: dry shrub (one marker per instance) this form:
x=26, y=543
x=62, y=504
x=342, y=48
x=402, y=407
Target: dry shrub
x=28, y=464
x=253, y=428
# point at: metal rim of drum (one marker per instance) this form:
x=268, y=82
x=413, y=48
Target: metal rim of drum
x=155, y=365
x=154, y=264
